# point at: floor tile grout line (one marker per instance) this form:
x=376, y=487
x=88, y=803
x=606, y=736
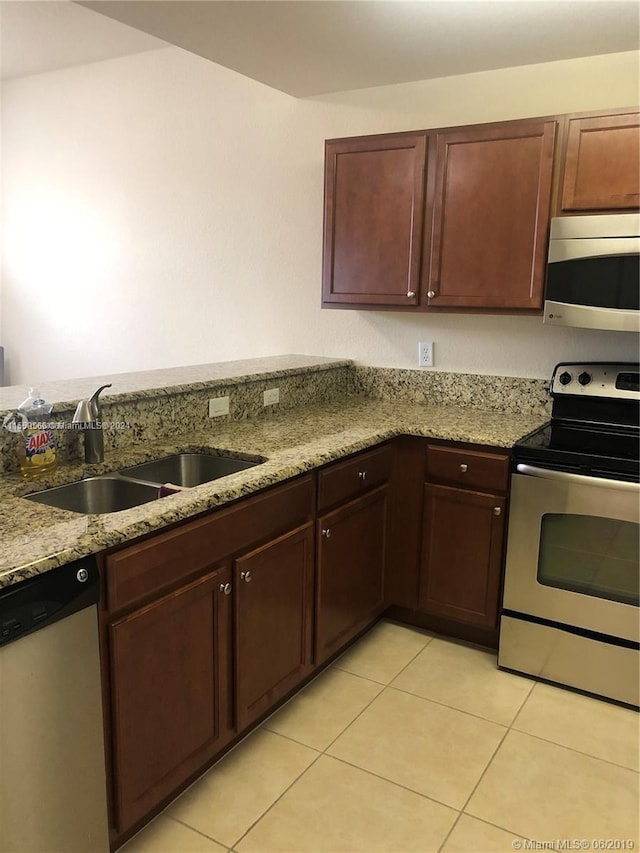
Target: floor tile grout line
x=277, y=800
x=397, y=674
x=198, y=831
x=578, y=751
x=448, y=835
x=449, y=707
x=294, y=740
x=299, y=743
x=488, y=765
x=520, y=710
x=488, y=823
x=318, y=757
x=394, y=783
x=356, y=675
x=417, y=655
x=357, y=717
x=512, y=728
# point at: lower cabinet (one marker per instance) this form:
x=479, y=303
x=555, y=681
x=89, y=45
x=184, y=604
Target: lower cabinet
x=350, y=570
x=273, y=599
x=463, y=533
x=204, y=628
x=461, y=561
x=207, y=626
x=169, y=689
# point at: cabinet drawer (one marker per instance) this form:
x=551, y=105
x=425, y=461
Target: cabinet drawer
x=358, y=474
x=162, y=561
x=470, y=468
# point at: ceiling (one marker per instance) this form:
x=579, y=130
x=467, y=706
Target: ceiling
x=311, y=47
x=43, y=36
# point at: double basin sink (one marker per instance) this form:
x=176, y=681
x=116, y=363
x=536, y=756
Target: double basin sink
x=140, y=484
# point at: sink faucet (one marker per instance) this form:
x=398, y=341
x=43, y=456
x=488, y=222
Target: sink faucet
x=87, y=417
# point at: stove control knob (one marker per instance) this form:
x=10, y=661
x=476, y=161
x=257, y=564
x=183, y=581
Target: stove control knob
x=564, y=378
x=584, y=378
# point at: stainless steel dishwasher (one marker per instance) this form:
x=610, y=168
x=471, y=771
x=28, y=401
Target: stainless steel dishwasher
x=52, y=768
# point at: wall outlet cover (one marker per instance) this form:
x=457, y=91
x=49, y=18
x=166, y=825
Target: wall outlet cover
x=218, y=406
x=425, y=354
x=271, y=396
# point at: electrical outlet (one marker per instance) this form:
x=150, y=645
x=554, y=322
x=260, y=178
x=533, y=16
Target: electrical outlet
x=218, y=406
x=271, y=396
x=425, y=354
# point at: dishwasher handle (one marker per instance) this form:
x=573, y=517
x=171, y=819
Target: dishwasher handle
x=36, y=602
x=577, y=479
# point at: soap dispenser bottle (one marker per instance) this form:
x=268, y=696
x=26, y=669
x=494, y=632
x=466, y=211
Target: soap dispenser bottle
x=37, y=448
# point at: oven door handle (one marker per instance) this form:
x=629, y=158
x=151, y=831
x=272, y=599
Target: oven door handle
x=577, y=479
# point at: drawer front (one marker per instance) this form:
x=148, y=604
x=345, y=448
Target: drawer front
x=470, y=468
x=345, y=480
x=165, y=560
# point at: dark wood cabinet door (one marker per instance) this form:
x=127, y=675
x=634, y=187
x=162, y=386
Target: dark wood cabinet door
x=602, y=164
x=374, y=212
x=350, y=570
x=273, y=592
x=491, y=216
x=462, y=550
x=170, y=670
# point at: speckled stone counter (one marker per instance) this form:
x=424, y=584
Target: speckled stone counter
x=35, y=538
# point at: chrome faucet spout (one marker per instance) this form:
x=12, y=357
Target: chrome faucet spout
x=88, y=418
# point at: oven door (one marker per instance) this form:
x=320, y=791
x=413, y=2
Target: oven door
x=572, y=552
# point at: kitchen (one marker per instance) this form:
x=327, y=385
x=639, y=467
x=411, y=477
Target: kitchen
x=117, y=199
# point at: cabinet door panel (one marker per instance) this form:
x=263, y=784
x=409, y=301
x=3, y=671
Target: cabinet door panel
x=350, y=567
x=374, y=211
x=602, y=164
x=273, y=621
x=491, y=214
x=169, y=674
x=461, y=554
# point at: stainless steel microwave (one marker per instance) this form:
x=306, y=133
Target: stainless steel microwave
x=593, y=274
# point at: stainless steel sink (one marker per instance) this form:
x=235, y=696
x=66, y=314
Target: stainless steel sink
x=187, y=469
x=139, y=484
x=97, y=494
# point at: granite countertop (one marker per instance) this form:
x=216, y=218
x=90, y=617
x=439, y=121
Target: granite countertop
x=36, y=538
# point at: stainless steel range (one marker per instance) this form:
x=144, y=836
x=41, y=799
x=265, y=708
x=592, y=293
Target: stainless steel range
x=570, y=611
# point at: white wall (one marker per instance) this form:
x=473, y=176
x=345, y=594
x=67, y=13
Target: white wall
x=162, y=210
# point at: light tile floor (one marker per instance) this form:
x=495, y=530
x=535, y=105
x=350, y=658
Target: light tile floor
x=410, y=742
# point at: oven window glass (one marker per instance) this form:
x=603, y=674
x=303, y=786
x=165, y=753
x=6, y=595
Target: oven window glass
x=592, y=555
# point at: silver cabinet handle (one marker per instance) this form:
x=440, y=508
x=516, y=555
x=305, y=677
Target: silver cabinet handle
x=497, y=510
x=327, y=533
x=410, y=294
x=225, y=588
x=464, y=468
x=362, y=475
x=431, y=294
x=246, y=577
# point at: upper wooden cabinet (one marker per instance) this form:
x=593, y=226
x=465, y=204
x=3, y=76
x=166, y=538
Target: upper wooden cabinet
x=491, y=216
x=374, y=210
x=454, y=219
x=601, y=164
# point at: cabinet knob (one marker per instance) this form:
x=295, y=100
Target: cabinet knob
x=431, y=294
x=410, y=294
x=327, y=533
x=225, y=588
x=362, y=475
x=497, y=510
x=246, y=577
x=464, y=467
